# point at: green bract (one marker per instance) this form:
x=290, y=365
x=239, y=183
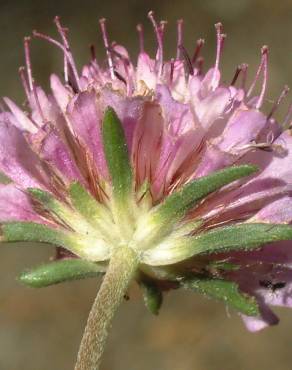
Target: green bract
x=225, y=291
x=60, y=271
x=222, y=239
x=162, y=237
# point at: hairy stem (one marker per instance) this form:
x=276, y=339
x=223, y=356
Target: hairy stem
x=122, y=267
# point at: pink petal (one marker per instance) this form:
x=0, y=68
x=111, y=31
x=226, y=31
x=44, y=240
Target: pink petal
x=277, y=212
x=242, y=128
x=145, y=71
x=178, y=116
x=277, y=165
x=146, y=141
x=174, y=152
x=212, y=160
x=255, y=324
x=18, y=161
x=23, y=122
x=271, y=184
x=212, y=107
x=178, y=84
x=85, y=117
x=15, y=205
x=45, y=109
x=129, y=110
x=54, y=151
x=194, y=88
x=210, y=82
x=60, y=92
x=9, y=118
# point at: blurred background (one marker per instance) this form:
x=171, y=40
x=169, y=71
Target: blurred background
x=41, y=329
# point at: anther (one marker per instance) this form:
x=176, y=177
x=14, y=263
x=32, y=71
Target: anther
x=107, y=47
x=140, y=30
x=159, y=42
x=179, y=38
x=200, y=43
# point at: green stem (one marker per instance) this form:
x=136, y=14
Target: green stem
x=121, y=270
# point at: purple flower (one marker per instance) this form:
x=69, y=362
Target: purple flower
x=159, y=156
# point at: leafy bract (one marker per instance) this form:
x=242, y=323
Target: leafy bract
x=60, y=271
x=225, y=291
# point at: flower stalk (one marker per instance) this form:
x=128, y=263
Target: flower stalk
x=122, y=267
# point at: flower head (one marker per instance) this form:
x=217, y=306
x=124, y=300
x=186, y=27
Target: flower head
x=160, y=157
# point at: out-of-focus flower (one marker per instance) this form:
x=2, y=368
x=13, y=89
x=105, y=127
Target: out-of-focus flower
x=160, y=157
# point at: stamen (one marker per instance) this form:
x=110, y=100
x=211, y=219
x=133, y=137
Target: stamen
x=62, y=47
x=267, y=146
x=120, y=77
x=31, y=84
x=21, y=72
x=271, y=136
x=200, y=43
x=62, y=31
x=180, y=23
x=28, y=62
x=107, y=47
x=126, y=63
x=92, y=53
x=263, y=66
x=141, y=37
x=36, y=98
x=287, y=121
x=244, y=67
x=119, y=55
x=278, y=101
x=171, y=70
x=66, y=71
x=236, y=74
x=187, y=60
x=162, y=25
x=200, y=65
x=241, y=69
x=159, y=42
x=220, y=42
x=2, y=109
x=68, y=57
x=96, y=69
x=265, y=77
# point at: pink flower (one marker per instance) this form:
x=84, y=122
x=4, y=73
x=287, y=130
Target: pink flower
x=180, y=124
